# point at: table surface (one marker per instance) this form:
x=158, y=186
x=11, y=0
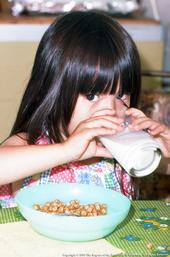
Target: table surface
x=145, y=232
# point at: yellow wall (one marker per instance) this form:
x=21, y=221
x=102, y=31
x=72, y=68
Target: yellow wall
x=15, y=66
x=151, y=53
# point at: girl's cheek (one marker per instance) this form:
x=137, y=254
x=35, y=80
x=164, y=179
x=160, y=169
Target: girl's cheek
x=121, y=110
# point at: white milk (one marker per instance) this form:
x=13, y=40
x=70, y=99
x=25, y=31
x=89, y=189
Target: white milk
x=136, y=151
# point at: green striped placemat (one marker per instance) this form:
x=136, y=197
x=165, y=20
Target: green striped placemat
x=10, y=215
x=146, y=230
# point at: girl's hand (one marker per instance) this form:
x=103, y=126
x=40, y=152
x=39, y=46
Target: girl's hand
x=83, y=143
x=159, y=131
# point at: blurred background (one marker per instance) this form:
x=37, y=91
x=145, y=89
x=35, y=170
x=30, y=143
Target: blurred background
x=22, y=24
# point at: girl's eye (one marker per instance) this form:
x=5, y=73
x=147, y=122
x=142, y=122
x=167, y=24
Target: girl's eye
x=92, y=97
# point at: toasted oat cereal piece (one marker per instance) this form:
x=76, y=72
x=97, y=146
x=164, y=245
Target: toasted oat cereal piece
x=73, y=208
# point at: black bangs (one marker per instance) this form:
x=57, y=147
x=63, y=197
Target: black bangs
x=101, y=73
x=100, y=77
x=91, y=68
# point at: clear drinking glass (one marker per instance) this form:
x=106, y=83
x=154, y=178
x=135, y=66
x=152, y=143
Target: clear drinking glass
x=136, y=151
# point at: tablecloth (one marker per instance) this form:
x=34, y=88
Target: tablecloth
x=145, y=232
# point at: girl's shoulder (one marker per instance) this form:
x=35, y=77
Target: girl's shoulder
x=21, y=139
x=18, y=139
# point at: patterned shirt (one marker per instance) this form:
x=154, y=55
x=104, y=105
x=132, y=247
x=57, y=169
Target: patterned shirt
x=107, y=173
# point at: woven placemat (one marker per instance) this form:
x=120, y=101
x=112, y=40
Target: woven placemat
x=145, y=232
x=10, y=215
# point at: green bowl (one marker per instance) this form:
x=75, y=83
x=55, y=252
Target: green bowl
x=71, y=228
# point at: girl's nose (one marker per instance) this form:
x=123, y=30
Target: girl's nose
x=116, y=104
x=108, y=102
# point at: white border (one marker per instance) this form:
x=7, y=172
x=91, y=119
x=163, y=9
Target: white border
x=34, y=32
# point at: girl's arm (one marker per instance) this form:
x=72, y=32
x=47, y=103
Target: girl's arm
x=158, y=130
x=19, y=160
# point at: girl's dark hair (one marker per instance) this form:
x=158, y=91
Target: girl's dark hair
x=80, y=53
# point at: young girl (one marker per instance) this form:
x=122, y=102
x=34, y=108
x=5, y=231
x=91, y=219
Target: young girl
x=85, y=75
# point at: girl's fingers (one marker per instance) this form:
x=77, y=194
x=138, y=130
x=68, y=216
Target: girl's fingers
x=102, y=112
x=107, y=122
x=142, y=123
x=134, y=113
x=158, y=129
x=107, y=116
x=88, y=134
